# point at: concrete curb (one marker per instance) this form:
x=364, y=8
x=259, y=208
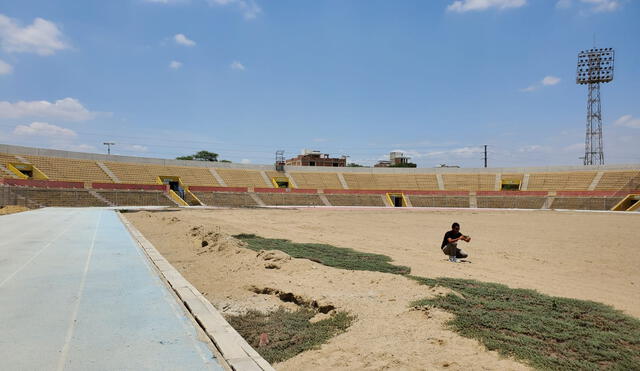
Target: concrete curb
x=234, y=349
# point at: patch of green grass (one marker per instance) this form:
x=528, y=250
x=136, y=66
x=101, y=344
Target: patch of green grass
x=547, y=332
x=290, y=333
x=544, y=331
x=328, y=255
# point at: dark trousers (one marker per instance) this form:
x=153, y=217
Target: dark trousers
x=452, y=249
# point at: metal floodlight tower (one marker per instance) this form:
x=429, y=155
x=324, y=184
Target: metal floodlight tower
x=595, y=66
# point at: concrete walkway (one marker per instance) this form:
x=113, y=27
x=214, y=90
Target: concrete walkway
x=77, y=293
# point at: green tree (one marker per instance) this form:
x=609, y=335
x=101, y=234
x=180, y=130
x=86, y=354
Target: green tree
x=200, y=156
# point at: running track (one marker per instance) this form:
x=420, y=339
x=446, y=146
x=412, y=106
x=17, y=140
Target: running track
x=77, y=293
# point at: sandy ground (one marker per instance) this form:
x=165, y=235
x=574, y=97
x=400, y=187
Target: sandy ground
x=12, y=209
x=590, y=256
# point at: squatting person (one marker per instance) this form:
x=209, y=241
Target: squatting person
x=450, y=243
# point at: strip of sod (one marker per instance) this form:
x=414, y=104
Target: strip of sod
x=547, y=332
x=290, y=333
x=337, y=257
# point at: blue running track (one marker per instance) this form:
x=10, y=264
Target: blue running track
x=77, y=293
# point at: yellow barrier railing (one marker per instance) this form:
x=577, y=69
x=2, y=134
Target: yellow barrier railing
x=36, y=173
x=629, y=203
x=177, y=198
x=401, y=195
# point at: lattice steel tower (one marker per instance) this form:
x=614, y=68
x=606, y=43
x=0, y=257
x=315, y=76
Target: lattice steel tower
x=595, y=66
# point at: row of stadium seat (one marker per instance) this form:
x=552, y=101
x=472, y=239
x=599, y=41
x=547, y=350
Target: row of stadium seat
x=38, y=197
x=66, y=169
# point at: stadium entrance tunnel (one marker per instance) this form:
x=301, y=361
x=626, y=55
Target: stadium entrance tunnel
x=510, y=185
x=629, y=203
x=178, y=191
x=397, y=200
x=281, y=182
x=26, y=171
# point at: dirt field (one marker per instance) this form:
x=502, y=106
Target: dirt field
x=591, y=256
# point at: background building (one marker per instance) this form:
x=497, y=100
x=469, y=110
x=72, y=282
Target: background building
x=396, y=159
x=315, y=158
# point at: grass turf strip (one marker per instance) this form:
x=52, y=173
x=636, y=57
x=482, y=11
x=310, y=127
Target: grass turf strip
x=337, y=257
x=547, y=332
x=544, y=331
x=290, y=333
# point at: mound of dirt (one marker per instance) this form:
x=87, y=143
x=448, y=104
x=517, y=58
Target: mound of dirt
x=211, y=241
x=273, y=258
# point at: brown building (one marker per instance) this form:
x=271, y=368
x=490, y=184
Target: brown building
x=396, y=159
x=315, y=158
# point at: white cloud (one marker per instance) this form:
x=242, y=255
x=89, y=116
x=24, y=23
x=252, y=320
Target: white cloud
x=574, y=147
x=249, y=8
x=78, y=147
x=183, y=40
x=456, y=153
x=237, y=66
x=603, y=5
x=546, y=81
x=5, y=68
x=628, y=121
x=532, y=148
x=164, y=1
x=175, y=65
x=66, y=109
x=43, y=129
x=245, y=161
x=461, y=6
x=135, y=148
x=594, y=6
x=550, y=80
x=41, y=37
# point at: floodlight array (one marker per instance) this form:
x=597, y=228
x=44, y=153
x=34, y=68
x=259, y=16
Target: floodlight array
x=595, y=66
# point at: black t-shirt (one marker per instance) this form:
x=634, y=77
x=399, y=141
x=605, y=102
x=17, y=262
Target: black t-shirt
x=450, y=234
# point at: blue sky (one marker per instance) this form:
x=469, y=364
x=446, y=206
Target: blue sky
x=244, y=78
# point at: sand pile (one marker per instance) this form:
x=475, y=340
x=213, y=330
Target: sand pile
x=12, y=209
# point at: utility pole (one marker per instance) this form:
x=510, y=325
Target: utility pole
x=485, y=155
x=109, y=144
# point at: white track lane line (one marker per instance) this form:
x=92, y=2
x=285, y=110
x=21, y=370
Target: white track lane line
x=36, y=255
x=72, y=323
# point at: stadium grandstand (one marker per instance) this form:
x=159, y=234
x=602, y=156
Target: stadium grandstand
x=36, y=177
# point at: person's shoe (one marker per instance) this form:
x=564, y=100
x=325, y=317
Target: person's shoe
x=453, y=259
